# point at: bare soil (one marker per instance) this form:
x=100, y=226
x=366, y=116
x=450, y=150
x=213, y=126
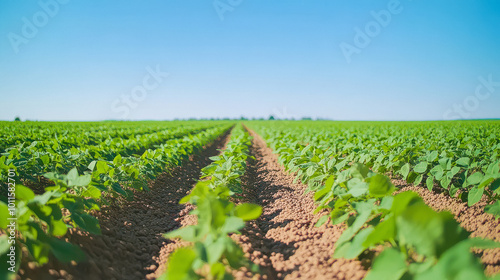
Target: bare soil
x=284, y=241
x=129, y=247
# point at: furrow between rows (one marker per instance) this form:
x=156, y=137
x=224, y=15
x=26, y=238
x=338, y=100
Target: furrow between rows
x=284, y=241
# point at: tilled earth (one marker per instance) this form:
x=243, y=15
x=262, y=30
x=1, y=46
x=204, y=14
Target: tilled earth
x=283, y=241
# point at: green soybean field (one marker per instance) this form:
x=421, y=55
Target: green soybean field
x=256, y=199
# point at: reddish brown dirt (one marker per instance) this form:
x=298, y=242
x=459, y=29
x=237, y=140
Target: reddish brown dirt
x=284, y=241
x=184, y=219
x=131, y=239
x=472, y=219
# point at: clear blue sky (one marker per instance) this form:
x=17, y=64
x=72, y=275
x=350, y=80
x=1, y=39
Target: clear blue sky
x=89, y=60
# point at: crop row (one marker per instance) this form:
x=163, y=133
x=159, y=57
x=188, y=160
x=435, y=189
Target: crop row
x=73, y=134
x=40, y=157
x=452, y=156
x=420, y=243
x=218, y=216
x=43, y=218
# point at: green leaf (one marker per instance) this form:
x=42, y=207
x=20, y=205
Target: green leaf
x=65, y=251
x=117, y=188
x=421, y=167
x=72, y=174
x=411, y=177
x=331, y=162
x=486, y=181
x=475, y=178
x=353, y=229
x=454, y=170
x=432, y=156
x=117, y=160
x=92, y=165
x=247, y=211
x=384, y=231
x=232, y=224
x=475, y=195
x=357, y=187
x=405, y=170
x=92, y=192
x=305, y=150
x=359, y=170
x=4, y=215
x=58, y=227
x=4, y=244
x=186, y=233
x=319, y=194
x=430, y=182
x=493, y=209
x=465, y=161
x=86, y=222
x=45, y=159
x=329, y=182
x=418, y=180
x=386, y=202
x=445, y=182
x=353, y=249
x=437, y=172
x=41, y=211
x=310, y=171
x=481, y=243
x=218, y=271
x=40, y=251
x=180, y=265
x=430, y=233
x=234, y=255
x=80, y=181
x=403, y=200
x=493, y=168
x=215, y=250
x=45, y=197
x=338, y=216
x=212, y=213
x=495, y=185
x=322, y=220
x=389, y=265
x=456, y=263
x=380, y=186
x=24, y=193
x=102, y=167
